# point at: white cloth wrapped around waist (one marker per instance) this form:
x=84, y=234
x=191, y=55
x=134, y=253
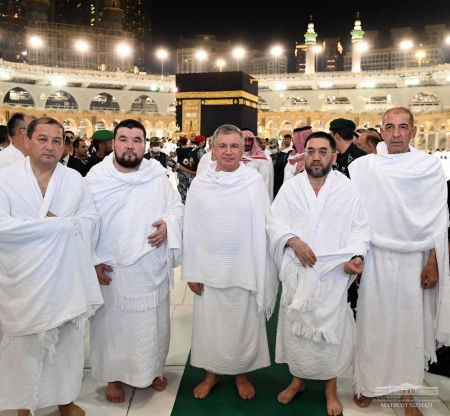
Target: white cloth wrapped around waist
x=142, y=285
x=316, y=296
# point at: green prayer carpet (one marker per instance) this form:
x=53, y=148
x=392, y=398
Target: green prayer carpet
x=268, y=382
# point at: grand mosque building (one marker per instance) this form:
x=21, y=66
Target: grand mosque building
x=86, y=95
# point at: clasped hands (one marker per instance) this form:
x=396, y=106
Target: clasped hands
x=308, y=259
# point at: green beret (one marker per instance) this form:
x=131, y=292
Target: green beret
x=103, y=134
x=342, y=123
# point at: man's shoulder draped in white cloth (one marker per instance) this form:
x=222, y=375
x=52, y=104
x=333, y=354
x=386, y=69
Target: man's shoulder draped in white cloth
x=134, y=201
x=235, y=207
x=46, y=272
x=333, y=225
x=10, y=156
x=413, y=215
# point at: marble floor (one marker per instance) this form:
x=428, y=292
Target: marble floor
x=140, y=402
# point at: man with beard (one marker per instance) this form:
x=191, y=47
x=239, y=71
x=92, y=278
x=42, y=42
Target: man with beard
x=102, y=143
x=255, y=158
x=139, y=244
x=318, y=238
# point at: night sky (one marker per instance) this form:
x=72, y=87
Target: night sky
x=254, y=26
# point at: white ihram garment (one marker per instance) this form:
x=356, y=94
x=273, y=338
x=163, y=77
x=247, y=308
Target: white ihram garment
x=316, y=329
x=225, y=248
x=130, y=333
x=399, y=323
x=48, y=285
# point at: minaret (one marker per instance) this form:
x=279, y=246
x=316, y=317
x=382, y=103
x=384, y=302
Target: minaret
x=37, y=10
x=310, y=42
x=112, y=15
x=357, y=45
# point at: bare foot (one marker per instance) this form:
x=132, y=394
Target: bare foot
x=114, y=392
x=410, y=406
x=245, y=388
x=71, y=409
x=159, y=383
x=23, y=412
x=412, y=411
x=334, y=406
x=296, y=387
x=205, y=387
x=362, y=401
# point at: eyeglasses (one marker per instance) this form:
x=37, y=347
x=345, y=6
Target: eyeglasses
x=322, y=152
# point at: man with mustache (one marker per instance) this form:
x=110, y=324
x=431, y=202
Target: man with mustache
x=48, y=222
x=139, y=244
x=318, y=238
x=404, y=305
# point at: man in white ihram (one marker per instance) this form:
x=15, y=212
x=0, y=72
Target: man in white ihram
x=404, y=296
x=318, y=237
x=139, y=244
x=48, y=222
x=227, y=266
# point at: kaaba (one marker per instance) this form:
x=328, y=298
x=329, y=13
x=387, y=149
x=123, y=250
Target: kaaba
x=207, y=100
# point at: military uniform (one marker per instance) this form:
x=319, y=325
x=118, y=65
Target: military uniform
x=344, y=159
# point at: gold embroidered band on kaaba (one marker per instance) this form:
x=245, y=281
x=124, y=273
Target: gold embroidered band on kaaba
x=239, y=94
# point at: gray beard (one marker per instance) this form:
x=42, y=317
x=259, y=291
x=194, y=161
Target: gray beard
x=318, y=174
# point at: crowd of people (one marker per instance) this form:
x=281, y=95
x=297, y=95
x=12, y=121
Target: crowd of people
x=352, y=227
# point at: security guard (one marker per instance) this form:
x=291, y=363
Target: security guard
x=343, y=132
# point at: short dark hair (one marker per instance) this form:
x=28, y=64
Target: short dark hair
x=322, y=135
x=4, y=137
x=130, y=123
x=43, y=120
x=13, y=123
x=76, y=143
x=287, y=136
x=346, y=133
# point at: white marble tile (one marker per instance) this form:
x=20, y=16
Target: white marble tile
x=180, y=335
x=437, y=409
x=92, y=398
x=345, y=392
x=443, y=384
x=150, y=402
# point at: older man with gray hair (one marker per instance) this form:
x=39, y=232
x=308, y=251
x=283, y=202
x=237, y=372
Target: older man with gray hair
x=227, y=266
x=404, y=304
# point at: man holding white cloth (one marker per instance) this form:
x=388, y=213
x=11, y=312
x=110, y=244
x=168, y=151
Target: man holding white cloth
x=318, y=237
x=139, y=245
x=47, y=223
x=227, y=266
x=404, y=304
